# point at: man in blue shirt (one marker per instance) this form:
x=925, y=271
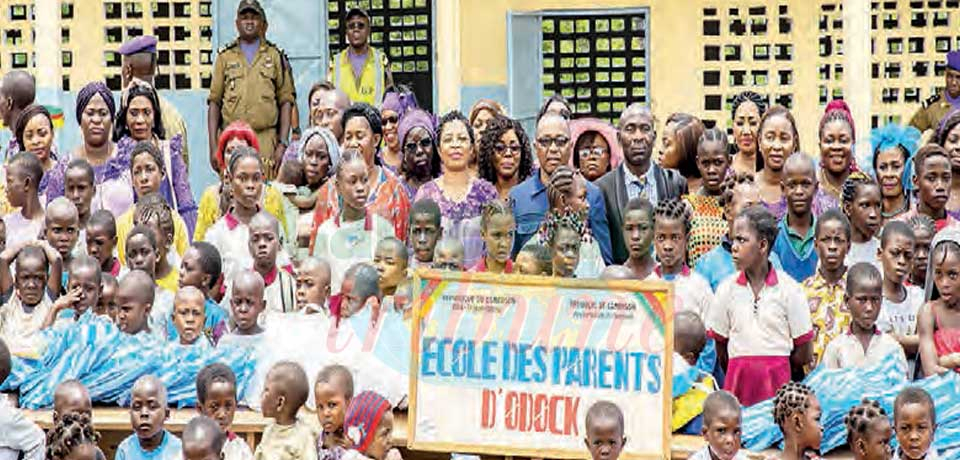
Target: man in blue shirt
x=554, y=147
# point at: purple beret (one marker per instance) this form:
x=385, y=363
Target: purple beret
x=953, y=60
x=141, y=44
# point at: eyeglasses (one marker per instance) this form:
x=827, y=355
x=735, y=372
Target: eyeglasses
x=451, y=266
x=594, y=151
x=358, y=25
x=504, y=148
x=392, y=119
x=559, y=141
x=411, y=147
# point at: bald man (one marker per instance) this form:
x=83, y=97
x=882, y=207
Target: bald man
x=18, y=89
x=554, y=146
x=140, y=62
x=636, y=176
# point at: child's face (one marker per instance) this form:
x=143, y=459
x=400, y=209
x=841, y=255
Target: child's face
x=743, y=196
x=670, y=242
x=946, y=272
x=812, y=432
x=141, y=255
x=897, y=258
x=527, y=264
x=638, y=232
x=351, y=184
x=200, y=449
x=263, y=245
x=914, y=427
x=16, y=186
x=864, y=303
x=272, y=399
x=832, y=244
x=723, y=433
x=424, y=234
x=146, y=174
x=164, y=238
x=874, y=444
x=31, y=279
x=566, y=252
x=389, y=264
x=132, y=310
x=62, y=233
x=313, y=286
x=921, y=252
x=78, y=189
x=99, y=244
x=147, y=411
x=798, y=185
x=191, y=274
x=72, y=402
x=188, y=318
x=577, y=200
x=246, y=303
x=331, y=404
x=448, y=258
x=247, y=177
x=221, y=403
x=85, y=278
x=864, y=211
x=748, y=249
x=107, y=304
x=605, y=438
x=498, y=236
x=382, y=438
x=933, y=181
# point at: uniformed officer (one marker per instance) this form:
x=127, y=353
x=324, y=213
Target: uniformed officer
x=361, y=71
x=140, y=62
x=252, y=81
x=942, y=103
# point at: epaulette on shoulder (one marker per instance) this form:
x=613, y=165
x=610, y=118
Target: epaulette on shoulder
x=931, y=100
x=283, y=54
x=231, y=44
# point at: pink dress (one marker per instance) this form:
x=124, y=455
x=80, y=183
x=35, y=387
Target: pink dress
x=947, y=340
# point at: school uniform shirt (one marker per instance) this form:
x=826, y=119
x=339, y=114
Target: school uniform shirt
x=760, y=333
x=717, y=265
x=828, y=311
x=290, y=442
x=169, y=449
x=19, y=229
x=232, y=238
x=236, y=448
x=344, y=244
x=704, y=454
x=20, y=436
x=846, y=351
x=864, y=252
x=931, y=455
x=18, y=322
x=691, y=291
x=280, y=291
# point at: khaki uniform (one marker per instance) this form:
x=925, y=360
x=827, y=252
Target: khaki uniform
x=253, y=92
x=934, y=109
x=173, y=125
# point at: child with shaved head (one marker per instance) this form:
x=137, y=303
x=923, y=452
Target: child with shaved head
x=246, y=305
x=27, y=296
x=721, y=428
x=202, y=439
x=83, y=294
x=313, y=285
x=24, y=172
x=605, y=431
x=201, y=268
x=285, y=391
x=188, y=315
x=135, y=302
x=62, y=230
x=279, y=282
x=148, y=412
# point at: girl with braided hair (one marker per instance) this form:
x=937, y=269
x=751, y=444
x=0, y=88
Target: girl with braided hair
x=73, y=437
x=498, y=228
x=869, y=431
x=861, y=203
x=797, y=411
x=563, y=238
x=707, y=225
x=670, y=229
x=923, y=229
x=154, y=212
x=567, y=198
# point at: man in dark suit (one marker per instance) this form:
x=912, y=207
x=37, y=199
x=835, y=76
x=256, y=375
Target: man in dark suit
x=637, y=175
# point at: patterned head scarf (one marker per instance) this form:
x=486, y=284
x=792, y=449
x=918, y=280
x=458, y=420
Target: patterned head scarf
x=333, y=149
x=363, y=418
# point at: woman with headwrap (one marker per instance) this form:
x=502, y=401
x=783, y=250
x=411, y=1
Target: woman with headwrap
x=140, y=120
x=892, y=148
x=34, y=133
x=216, y=198
x=418, y=139
x=114, y=190
x=395, y=104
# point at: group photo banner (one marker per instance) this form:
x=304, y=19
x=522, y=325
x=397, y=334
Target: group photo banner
x=510, y=365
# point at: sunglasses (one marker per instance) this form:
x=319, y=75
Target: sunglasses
x=560, y=142
x=411, y=147
x=393, y=119
x=356, y=25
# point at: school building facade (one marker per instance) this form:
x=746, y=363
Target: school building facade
x=675, y=55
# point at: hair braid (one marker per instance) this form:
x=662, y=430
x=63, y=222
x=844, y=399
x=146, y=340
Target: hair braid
x=861, y=417
x=731, y=182
x=674, y=209
x=791, y=398
x=852, y=185
x=71, y=431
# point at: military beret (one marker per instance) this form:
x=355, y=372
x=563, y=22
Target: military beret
x=141, y=44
